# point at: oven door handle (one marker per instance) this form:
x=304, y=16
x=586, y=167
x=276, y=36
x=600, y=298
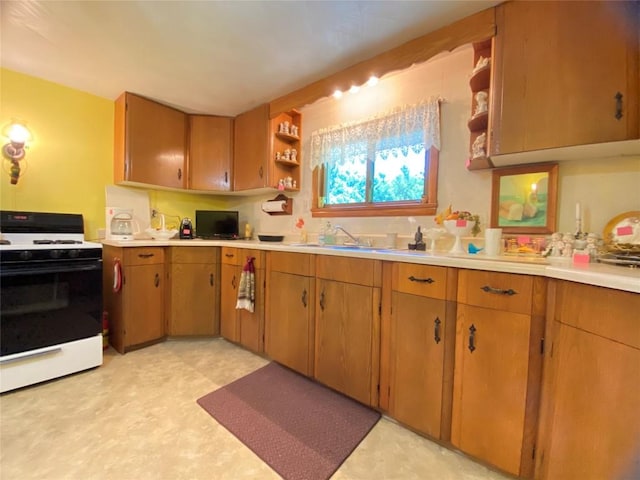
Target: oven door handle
x=32, y=353
x=14, y=272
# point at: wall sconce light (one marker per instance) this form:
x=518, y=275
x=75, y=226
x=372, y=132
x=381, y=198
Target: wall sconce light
x=14, y=150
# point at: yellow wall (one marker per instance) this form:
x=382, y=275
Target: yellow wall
x=70, y=159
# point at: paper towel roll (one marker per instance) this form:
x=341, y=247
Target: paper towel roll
x=277, y=206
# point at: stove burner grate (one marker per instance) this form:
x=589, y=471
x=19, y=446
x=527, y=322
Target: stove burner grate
x=58, y=242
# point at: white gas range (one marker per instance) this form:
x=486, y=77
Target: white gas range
x=50, y=298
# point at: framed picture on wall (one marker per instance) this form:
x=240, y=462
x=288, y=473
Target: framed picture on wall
x=524, y=198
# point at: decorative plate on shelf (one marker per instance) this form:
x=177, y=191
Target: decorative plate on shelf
x=622, y=233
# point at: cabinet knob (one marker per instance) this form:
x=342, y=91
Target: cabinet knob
x=472, y=338
x=498, y=291
x=618, y=96
x=421, y=280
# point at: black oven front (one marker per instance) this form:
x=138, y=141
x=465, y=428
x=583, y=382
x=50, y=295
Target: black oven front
x=50, y=301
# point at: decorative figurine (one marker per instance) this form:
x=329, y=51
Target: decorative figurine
x=481, y=63
x=554, y=248
x=477, y=149
x=567, y=247
x=481, y=103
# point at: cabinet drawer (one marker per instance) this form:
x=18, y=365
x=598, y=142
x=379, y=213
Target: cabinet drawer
x=359, y=271
x=606, y=312
x=143, y=255
x=422, y=280
x=294, y=263
x=229, y=256
x=194, y=254
x=238, y=256
x=498, y=291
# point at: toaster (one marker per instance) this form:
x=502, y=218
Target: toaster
x=186, y=228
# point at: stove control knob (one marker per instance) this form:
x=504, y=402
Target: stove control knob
x=55, y=253
x=74, y=253
x=26, y=255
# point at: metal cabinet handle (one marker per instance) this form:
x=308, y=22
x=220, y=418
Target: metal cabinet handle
x=233, y=282
x=226, y=177
x=304, y=298
x=145, y=255
x=261, y=171
x=179, y=174
x=421, y=280
x=156, y=281
x=472, y=338
x=498, y=291
x=228, y=255
x=211, y=279
x=618, y=97
x=322, y=301
x=436, y=330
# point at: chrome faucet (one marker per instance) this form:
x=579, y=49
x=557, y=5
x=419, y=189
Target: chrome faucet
x=355, y=240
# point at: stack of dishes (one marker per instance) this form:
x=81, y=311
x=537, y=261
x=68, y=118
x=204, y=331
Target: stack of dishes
x=622, y=240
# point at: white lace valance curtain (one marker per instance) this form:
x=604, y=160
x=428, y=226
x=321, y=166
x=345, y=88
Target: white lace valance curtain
x=414, y=126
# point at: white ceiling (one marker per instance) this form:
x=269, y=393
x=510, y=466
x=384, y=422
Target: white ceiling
x=216, y=57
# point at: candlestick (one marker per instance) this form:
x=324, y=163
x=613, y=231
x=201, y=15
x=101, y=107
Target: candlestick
x=578, y=233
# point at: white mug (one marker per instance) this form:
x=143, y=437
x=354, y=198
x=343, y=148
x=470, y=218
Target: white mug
x=493, y=242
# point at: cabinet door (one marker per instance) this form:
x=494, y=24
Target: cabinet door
x=344, y=333
x=417, y=361
x=229, y=281
x=210, y=152
x=596, y=420
x=289, y=327
x=251, y=149
x=193, y=299
x=155, y=143
x=558, y=68
x=143, y=297
x=490, y=385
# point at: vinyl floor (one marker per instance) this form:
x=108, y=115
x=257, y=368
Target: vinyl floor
x=136, y=418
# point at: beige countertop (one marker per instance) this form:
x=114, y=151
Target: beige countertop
x=610, y=276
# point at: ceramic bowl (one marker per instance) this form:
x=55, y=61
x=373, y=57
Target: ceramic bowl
x=161, y=234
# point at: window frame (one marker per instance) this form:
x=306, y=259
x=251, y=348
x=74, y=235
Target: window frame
x=426, y=206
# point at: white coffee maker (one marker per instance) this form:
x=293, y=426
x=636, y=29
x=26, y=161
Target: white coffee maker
x=119, y=223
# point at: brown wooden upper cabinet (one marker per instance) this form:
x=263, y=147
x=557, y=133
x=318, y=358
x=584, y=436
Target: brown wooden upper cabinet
x=210, y=153
x=150, y=143
x=251, y=144
x=564, y=74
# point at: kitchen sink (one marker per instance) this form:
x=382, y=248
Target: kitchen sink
x=358, y=248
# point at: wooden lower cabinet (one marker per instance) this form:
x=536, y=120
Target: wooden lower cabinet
x=497, y=373
x=420, y=342
x=193, y=291
x=289, y=321
x=347, y=312
x=590, y=418
x=136, y=309
x=240, y=325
